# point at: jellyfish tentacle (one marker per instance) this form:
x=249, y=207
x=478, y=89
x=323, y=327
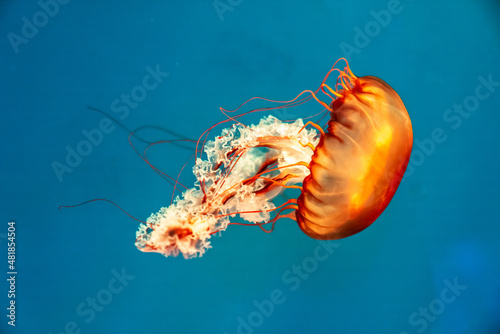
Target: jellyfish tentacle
x=346, y=174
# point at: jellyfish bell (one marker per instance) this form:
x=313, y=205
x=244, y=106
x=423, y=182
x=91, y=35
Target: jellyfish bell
x=347, y=175
x=358, y=163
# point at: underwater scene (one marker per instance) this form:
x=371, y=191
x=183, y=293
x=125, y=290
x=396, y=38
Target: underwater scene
x=240, y=167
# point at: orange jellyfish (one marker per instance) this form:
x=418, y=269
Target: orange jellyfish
x=348, y=172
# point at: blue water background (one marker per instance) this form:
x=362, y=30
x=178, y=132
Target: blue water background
x=442, y=227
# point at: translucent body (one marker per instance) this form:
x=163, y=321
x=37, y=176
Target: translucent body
x=358, y=163
x=235, y=178
x=347, y=175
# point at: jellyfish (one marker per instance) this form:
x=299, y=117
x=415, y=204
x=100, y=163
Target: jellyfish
x=346, y=173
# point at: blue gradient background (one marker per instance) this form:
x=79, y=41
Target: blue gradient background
x=441, y=225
